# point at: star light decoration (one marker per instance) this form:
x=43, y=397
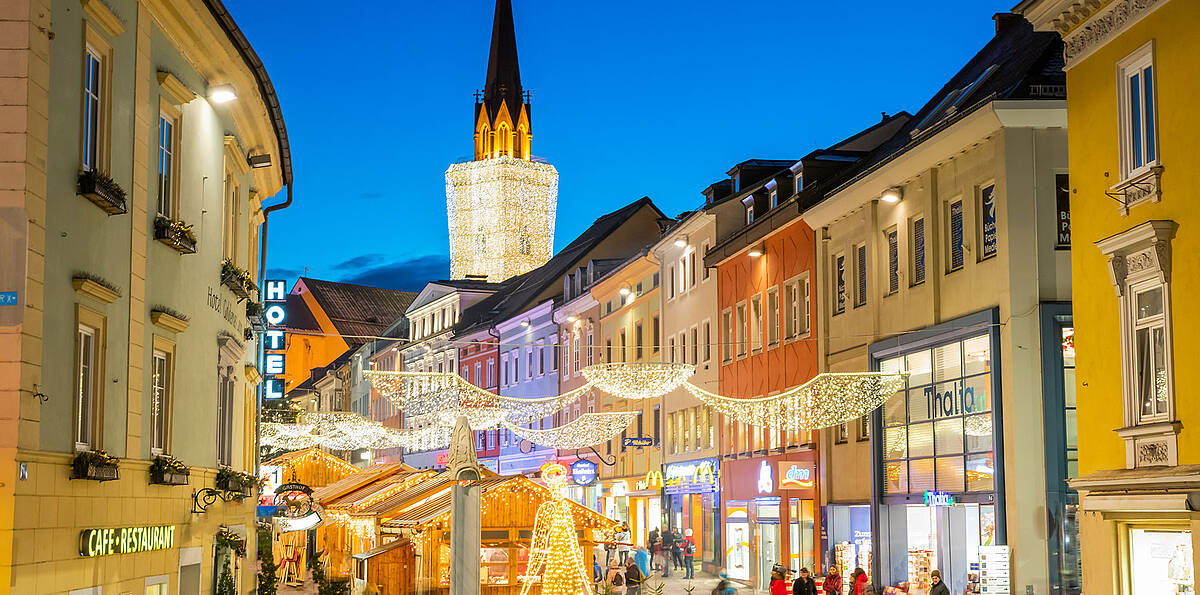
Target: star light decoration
x=554, y=553
x=501, y=215
x=586, y=430
x=638, y=380
x=343, y=430
x=824, y=401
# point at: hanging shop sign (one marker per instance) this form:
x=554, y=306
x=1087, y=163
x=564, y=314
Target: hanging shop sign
x=638, y=441
x=583, y=472
x=304, y=523
x=938, y=498
x=1062, y=200
x=295, y=509
x=691, y=477
x=796, y=476
x=128, y=540
x=987, y=199
x=275, y=312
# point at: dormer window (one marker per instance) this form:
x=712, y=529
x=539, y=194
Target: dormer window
x=774, y=198
x=749, y=213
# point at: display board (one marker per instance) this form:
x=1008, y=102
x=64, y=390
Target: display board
x=994, y=575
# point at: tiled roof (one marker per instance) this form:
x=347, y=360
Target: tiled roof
x=522, y=291
x=358, y=311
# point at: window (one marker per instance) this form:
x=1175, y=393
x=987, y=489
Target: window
x=839, y=283
x=756, y=323
x=707, y=341
x=656, y=333
x=624, y=346
x=490, y=379
x=704, y=273
x=589, y=346
x=860, y=275
x=954, y=234
x=529, y=366
x=692, y=268
x=727, y=338
x=774, y=197
x=608, y=349
x=168, y=145
x=161, y=373
x=671, y=275
x=479, y=380
x=795, y=306
x=225, y=388
x=657, y=424
x=575, y=353
x=841, y=433
x=1139, y=112
x=671, y=350
x=988, y=240
x=772, y=316
x=864, y=428
x=638, y=341
x=695, y=346
x=918, y=250
x=233, y=195
x=749, y=214
x=893, y=245
x=743, y=332
x=1150, y=352
x=683, y=275
x=504, y=370
x=88, y=381
x=466, y=373
x=96, y=75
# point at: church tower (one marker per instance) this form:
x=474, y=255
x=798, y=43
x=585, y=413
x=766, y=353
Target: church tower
x=501, y=206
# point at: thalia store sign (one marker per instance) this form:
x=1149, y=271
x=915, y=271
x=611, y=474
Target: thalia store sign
x=275, y=297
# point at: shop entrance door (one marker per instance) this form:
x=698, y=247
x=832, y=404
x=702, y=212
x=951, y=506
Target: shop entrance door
x=768, y=552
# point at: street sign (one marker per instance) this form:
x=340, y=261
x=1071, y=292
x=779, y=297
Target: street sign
x=8, y=298
x=639, y=441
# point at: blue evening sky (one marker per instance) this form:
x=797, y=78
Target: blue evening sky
x=630, y=99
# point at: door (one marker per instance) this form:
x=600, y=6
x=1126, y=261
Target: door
x=189, y=579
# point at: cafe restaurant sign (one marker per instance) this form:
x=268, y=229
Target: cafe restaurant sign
x=129, y=540
x=691, y=477
x=275, y=296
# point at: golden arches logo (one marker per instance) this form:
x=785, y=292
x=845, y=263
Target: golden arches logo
x=654, y=479
x=704, y=474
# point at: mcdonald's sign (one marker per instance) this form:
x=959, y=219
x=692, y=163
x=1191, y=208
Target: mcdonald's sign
x=692, y=477
x=653, y=481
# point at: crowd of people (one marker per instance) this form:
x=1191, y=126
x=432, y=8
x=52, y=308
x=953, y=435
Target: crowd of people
x=627, y=567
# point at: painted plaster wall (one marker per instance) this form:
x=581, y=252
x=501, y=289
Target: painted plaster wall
x=541, y=381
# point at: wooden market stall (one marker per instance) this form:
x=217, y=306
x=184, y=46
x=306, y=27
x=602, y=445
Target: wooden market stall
x=399, y=539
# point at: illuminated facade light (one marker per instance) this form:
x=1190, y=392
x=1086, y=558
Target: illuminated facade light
x=222, y=94
x=892, y=195
x=756, y=251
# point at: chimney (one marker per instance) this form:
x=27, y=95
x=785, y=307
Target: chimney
x=1004, y=20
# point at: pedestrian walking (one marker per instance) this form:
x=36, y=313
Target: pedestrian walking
x=778, y=584
x=804, y=584
x=689, y=555
x=939, y=587
x=623, y=541
x=677, y=549
x=833, y=581
x=655, y=542
x=668, y=544
x=633, y=578
x=858, y=582
x=615, y=577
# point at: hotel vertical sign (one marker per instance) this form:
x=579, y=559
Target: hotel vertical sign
x=275, y=296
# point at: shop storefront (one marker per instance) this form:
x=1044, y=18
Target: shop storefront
x=691, y=492
x=769, y=516
x=635, y=501
x=847, y=537
x=937, y=478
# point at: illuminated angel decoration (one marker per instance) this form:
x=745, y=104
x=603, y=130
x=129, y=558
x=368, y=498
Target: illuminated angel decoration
x=554, y=552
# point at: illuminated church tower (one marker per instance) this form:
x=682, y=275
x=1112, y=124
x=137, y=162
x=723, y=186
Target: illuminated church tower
x=501, y=205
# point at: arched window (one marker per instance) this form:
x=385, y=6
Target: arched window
x=484, y=148
x=504, y=140
x=519, y=148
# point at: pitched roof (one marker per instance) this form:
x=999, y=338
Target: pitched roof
x=358, y=480
x=503, y=81
x=439, y=505
x=358, y=311
x=523, y=290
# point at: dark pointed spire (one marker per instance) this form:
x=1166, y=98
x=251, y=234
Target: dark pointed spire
x=503, y=75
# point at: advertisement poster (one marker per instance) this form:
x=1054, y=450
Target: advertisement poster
x=737, y=543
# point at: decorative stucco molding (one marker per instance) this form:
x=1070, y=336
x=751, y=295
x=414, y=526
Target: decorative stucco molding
x=1080, y=39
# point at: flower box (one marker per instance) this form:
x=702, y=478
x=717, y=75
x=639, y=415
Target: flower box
x=103, y=191
x=96, y=466
x=254, y=313
x=237, y=482
x=237, y=280
x=168, y=478
x=167, y=470
x=175, y=234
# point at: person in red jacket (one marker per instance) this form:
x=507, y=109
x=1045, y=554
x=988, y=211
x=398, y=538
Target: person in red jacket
x=779, y=584
x=858, y=582
x=833, y=581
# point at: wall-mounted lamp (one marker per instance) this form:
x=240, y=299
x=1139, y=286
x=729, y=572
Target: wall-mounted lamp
x=624, y=290
x=681, y=242
x=892, y=195
x=525, y=323
x=572, y=319
x=755, y=252
x=222, y=93
x=259, y=161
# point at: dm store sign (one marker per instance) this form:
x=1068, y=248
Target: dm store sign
x=275, y=296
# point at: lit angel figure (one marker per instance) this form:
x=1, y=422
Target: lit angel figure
x=554, y=553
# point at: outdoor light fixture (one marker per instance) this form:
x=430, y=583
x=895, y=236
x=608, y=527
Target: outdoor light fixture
x=572, y=319
x=525, y=323
x=222, y=93
x=681, y=242
x=756, y=251
x=892, y=195
x=259, y=161
x=624, y=290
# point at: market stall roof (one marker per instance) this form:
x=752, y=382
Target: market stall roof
x=358, y=480
x=381, y=488
x=383, y=549
x=440, y=503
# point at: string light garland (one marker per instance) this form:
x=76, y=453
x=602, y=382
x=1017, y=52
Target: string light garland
x=638, y=380
x=440, y=397
x=554, y=553
x=501, y=215
x=343, y=430
x=586, y=430
x=825, y=401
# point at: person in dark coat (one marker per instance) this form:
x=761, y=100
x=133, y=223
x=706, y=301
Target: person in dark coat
x=938, y=587
x=633, y=577
x=804, y=584
x=677, y=549
x=668, y=545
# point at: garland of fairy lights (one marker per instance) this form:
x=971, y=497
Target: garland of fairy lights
x=639, y=380
x=439, y=398
x=824, y=401
x=586, y=430
x=343, y=430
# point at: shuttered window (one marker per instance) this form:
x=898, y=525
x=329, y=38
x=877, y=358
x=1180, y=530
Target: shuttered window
x=893, y=242
x=918, y=251
x=860, y=266
x=956, y=235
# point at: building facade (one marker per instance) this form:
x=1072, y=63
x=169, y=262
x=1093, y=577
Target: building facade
x=1130, y=70
x=145, y=139
x=528, y=370
x=938, y=256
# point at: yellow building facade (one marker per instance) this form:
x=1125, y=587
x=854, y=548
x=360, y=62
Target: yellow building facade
x=138, y=139
x=1133, y=79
